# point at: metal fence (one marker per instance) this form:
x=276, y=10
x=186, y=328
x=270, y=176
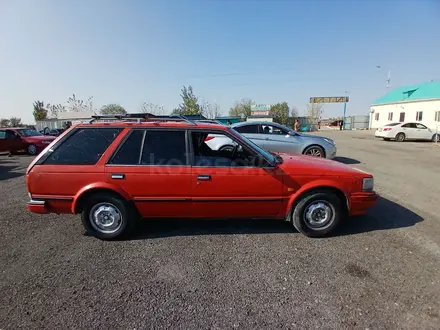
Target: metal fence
x=357, y=122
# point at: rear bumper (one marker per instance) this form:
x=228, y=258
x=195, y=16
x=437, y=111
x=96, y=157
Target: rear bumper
x=39, y=207
x=361, y=202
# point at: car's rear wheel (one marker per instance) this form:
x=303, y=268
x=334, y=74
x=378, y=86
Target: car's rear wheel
x=32, y=149
x=314, y=151
x=317, y=213
x=400, y=137
x=436, y=138
x=107, y=217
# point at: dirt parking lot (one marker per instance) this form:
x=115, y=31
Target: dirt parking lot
x=381, y=271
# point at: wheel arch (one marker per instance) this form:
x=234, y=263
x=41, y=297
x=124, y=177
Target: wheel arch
x=315, y=145
x=327, y=186
x=86, y=192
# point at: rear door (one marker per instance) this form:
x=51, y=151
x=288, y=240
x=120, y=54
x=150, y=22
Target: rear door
x=278, y=139
x=152, y=166
x=410, y=131
x=253, y=132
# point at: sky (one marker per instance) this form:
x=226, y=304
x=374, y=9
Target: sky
x=130, y=52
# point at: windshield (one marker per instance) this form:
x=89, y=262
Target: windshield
x=28, y=132
x=266, y=154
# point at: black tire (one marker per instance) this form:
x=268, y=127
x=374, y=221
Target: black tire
x=386, y=139
x=32, y=149
x=334, y=211
x=108, y=201
x=400, y=137
x=436, y=138
x=314, y=151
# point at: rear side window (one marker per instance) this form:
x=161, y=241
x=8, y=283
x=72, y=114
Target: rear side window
x=84, y=147
x=2, y=134
x=409, y=125
x=158, y=147
x=249, y=129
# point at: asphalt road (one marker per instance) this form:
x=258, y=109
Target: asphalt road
x=381, y=271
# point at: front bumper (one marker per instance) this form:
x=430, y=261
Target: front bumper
x=361, y=202
x=330, y=152
x=39, y=207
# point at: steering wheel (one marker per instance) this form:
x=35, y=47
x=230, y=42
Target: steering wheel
x=234, y=152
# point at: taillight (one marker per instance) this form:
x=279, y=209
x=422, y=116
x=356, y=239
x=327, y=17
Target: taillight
x=209, y=138
x=387, y=129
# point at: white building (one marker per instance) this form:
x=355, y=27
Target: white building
x=418, y=103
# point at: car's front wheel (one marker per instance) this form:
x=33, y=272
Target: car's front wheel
x=436, y=138
x=317, y=213
x=314, y=151
x=107, y=217
x=32, y=149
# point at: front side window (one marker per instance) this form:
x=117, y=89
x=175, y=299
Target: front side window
x=269, y=129
x=84, y=147
x=28, y=132
x=152, y=147
x=420, y=126
x=207, y=153
x=419, y=115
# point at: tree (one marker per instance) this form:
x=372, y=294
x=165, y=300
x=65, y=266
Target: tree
x=280, y=113
x=4, y=122
x=54, y=110
x=15, y=122
x=210, y=110
x=75, y=105
x=152, y=108
x=40, y=113
x=294, y=112
x=113, y=109
x=241, y=108
x=314, y=111
x=190, y=105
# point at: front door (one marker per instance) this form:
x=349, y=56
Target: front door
x=152, y=166
x=230, y=184
x=423, y=133
x=13, y=141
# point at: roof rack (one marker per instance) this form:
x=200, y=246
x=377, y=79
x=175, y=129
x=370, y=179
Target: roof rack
x=210, y=121
x=142, y=116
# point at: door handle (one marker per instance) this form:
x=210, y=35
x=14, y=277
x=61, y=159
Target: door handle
x=204, y=177
x=118, y=176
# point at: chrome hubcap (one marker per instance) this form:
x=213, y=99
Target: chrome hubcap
x=314, y=152
x=319, y=214
x=105, y=218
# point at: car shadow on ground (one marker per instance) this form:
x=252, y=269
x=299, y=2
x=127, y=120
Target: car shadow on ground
x=8, y=167
x=346, y=160
x=384, y=215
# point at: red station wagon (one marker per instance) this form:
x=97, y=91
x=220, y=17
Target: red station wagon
x=16, y=139
x=113, y=173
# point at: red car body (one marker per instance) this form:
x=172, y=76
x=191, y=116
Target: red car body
x=180, y=191
x=16, y=139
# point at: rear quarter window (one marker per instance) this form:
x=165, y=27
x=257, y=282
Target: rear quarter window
x=84, y=147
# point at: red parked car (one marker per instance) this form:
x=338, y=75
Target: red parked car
x=113, y=173
x=29, y=140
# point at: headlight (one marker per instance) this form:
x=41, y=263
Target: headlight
x=330, y=141
x=367, y=184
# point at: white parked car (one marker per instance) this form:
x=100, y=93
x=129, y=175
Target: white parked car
x=406, y=131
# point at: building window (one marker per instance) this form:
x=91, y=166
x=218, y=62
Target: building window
x=402, y=117
x=376, y=116
x=437, y=116
x=390, y=116
x=419, y=115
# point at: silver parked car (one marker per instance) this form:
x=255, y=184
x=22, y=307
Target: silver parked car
x=277, y=138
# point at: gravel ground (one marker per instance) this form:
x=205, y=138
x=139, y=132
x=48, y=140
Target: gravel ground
x=381, y=271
